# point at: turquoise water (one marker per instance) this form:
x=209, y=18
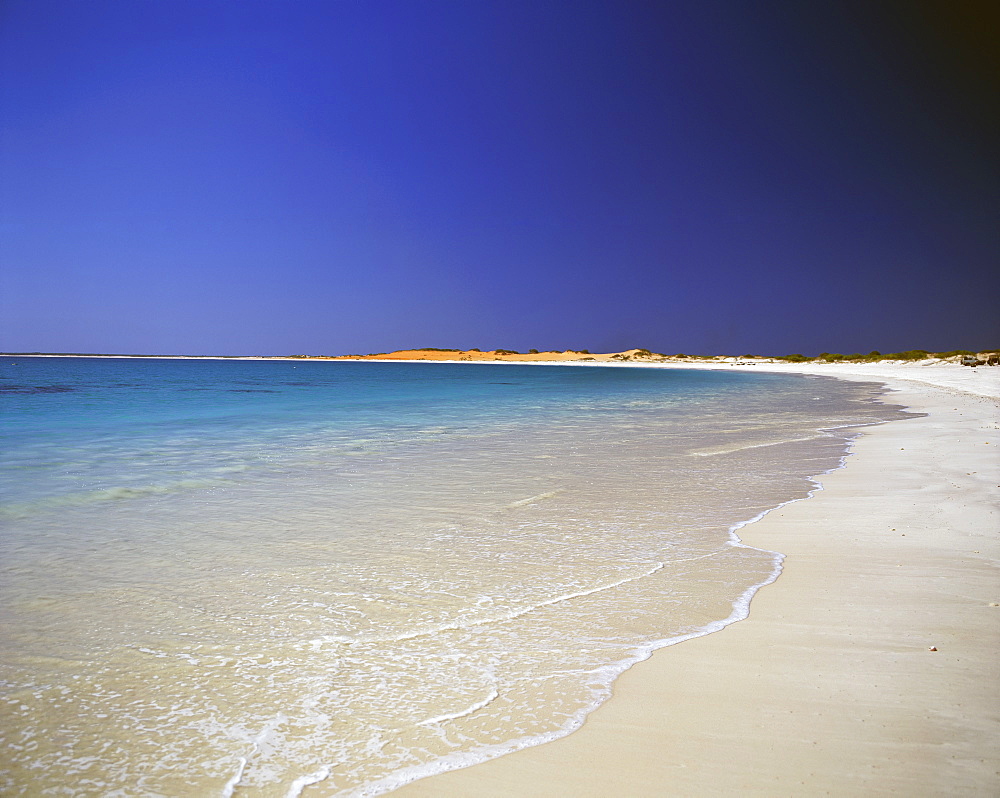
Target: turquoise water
x=273, y=577
x=77, y=426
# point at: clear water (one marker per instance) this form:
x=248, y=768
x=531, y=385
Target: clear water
x=267, y=578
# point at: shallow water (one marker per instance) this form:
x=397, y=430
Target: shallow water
x=261, y=578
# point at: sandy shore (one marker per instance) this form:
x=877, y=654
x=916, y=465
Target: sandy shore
x=869, y=668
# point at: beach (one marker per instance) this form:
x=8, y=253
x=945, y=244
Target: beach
x=526, y=400
x=259, y=578
x=557, y=574
x=868, y=667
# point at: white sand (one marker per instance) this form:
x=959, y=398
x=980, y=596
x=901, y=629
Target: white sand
x=831, y=686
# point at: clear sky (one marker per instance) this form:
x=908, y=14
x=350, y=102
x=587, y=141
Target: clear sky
x=341, y=176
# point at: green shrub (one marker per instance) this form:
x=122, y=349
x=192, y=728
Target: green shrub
x=911, y=354
x=796, y=358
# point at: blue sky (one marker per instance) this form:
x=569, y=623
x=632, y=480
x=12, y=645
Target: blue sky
x=337, y=177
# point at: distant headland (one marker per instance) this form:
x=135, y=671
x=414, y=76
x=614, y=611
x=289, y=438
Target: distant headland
x=961, y=356
x=991, y=357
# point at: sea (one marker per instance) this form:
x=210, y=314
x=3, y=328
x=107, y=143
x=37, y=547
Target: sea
x=329, y=578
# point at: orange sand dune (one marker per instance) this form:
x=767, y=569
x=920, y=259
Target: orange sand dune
x=642, y=355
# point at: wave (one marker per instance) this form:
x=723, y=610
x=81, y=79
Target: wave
x=824, y=432
x=532, y=499
x=493, y=696
x=113, y=494
x=316, y=643
x=744, y=447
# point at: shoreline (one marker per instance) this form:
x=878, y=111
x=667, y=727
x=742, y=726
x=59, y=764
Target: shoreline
x=893, y=690
x=746, y=694
x=931, y=372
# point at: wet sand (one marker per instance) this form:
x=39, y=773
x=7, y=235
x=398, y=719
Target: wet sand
x=870, y=667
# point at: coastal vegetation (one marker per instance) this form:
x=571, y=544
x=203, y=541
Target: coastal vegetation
x=875, y=356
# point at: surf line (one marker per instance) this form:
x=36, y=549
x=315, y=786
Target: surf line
x=493, y=696
x=510, y=616
x=532, y=499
